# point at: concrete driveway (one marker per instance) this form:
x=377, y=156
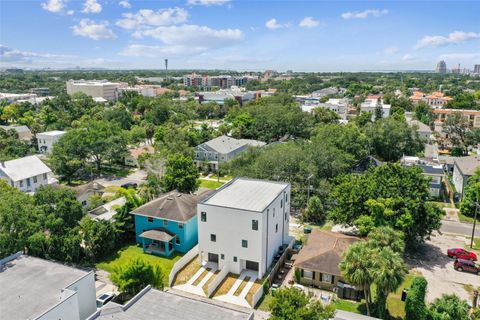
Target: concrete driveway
x=138, y=176
x=432, y=262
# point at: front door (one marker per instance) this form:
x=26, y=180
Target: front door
x=213, y=257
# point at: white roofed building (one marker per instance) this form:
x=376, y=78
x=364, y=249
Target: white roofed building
x=96, y=88
x=26, y=174
x=370, y=106
x=244, y=224
x=47, y=139
x=221, y=149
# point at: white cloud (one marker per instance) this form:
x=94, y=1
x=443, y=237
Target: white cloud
x=207, y=2
x=408, y=57
x=273, y=24
x=459, y=56
x=8, y=54
x=125, y=4
x=309, y=22
x=364, y=14
x=193, y=35
x=93, y=30
x=391, y=50
x=92, y=6
x=147, y=17
x=55, y=6
x=452, y=38
x=70, y=12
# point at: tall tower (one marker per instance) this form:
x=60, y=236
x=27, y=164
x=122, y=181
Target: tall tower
x=441, y=67
x=166, y=65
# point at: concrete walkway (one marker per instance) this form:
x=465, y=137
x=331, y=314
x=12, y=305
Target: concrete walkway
x=198, y=289
x=240, y=300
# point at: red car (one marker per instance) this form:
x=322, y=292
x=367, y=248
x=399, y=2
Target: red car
x=466, y=265
x=460, y=253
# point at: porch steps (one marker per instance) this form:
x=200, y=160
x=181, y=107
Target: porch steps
x=237, y=284
x=247, y=288
x=205, y=279
x=196, y=275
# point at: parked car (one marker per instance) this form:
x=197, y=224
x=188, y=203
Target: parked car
x=460, y=253
x=466, y=265
x=104, y=299
x=129, y=185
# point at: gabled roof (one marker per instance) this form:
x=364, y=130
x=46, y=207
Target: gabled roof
x=91, y=186
x=246, y=194
x=225, y=144
x=23, y=132
x=467, y=165
x=23, y=168
x=323, y=251
x=421, y=127
x=136, y=152
x=173, y=205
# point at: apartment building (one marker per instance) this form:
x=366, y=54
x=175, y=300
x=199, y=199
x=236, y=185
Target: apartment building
x=244, y=224
x=47, y=139
x=104, y=89
x=435, y=99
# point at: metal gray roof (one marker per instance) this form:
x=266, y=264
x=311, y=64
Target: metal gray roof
x=160, y=305
x=467, y=165
x=246, y=194
x=27, y=167
x=225, y=144
x=160, y=235
x=31, y=286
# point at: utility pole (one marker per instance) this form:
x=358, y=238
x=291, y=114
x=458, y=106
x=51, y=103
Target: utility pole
x=308, y=187
x=474, y=222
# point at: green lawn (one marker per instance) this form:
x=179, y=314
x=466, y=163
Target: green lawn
x=394, y=303
x=351, y=306
x=442, y=205
x=210, y=184
x=464, y=218
x=265, y=302
x=225, y=177
x=131, y=252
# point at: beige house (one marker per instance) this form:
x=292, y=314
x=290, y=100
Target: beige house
x=132, y=157
x=318, y=263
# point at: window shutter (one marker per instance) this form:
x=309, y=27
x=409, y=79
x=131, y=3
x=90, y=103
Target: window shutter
x=333, y=279
x=313, y=275
x=301, y=272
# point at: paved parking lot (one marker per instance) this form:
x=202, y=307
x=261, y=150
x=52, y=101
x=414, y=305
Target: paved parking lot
x=432, y=262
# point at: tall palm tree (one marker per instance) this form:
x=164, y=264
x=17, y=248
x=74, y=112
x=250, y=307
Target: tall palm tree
x=357, y=268
x=389, y=272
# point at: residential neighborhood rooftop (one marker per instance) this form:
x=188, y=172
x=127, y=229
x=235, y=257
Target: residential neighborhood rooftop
x=246, y=194
x=467, y=165
x=52, y=133
x=173, y=205
x=225, y=144
x=151, y=304
x=24, y=132
x=23, y=168
x=31, y=286
x=323, y=251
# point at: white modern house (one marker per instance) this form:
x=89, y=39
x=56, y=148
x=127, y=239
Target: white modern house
x=221, y=149
x=339, y=106
x=47, y=139
x=26, y=174
x=33, y=288
x=370, y=106
x=244, y=224
x=96, y=88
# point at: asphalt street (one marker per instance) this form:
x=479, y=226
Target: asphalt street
x=459, y=228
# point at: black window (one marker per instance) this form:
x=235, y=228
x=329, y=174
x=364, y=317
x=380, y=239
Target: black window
x=234, y=259
x=203, y=216
x=150, y=219
x=274, y=212
x=177, y=240
x=213, y=237
x=276, y=227
x=165, y=222
x=180, y=225
x=254, y=224
x=222, y=256
x=285, y=216
x=35, y=179
x=244, y=243
x=281, y=203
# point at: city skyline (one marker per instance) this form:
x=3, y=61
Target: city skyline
x=239, y=35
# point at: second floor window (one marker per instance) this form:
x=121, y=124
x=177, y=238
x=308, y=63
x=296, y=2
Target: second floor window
x=254, y=224
x=35, y=179
x=44, y=176
x=213, y=237
x=165, y=222
x=244, y=243
x=203, y=216
x=150, y=219
x=180, y=225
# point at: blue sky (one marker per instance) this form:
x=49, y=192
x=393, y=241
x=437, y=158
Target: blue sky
x=240, y=34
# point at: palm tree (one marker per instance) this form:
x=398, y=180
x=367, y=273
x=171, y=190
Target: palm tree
x=389, y=272
x=357, y=268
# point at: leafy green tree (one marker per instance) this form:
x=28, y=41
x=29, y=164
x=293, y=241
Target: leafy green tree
x=314, y=212
x=422, y=112
x=131, y=278
x=324, y=115
x=449, y=307
x=181, y=174
x=471, y=195
x=415, y=308
x=151, y=188
x=463, y=101
x=363, y=119
x=293, y=304
x=457, y=128
x=99, y=238
x=120, y=116
x=11, y=146
x=390, y=195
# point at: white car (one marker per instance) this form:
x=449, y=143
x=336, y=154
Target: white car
x=299, y=287
x=104, y=298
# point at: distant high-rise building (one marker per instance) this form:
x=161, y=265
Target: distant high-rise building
x=441, y=67
x=476, y=69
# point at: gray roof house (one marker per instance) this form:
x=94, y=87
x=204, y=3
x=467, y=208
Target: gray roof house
x=463, y=168
x=151, y=304
x=423, y=130
x=222, y=149
x=34, y=288
x=23, y=132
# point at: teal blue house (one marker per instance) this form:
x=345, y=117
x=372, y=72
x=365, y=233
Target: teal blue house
x=168, y=223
